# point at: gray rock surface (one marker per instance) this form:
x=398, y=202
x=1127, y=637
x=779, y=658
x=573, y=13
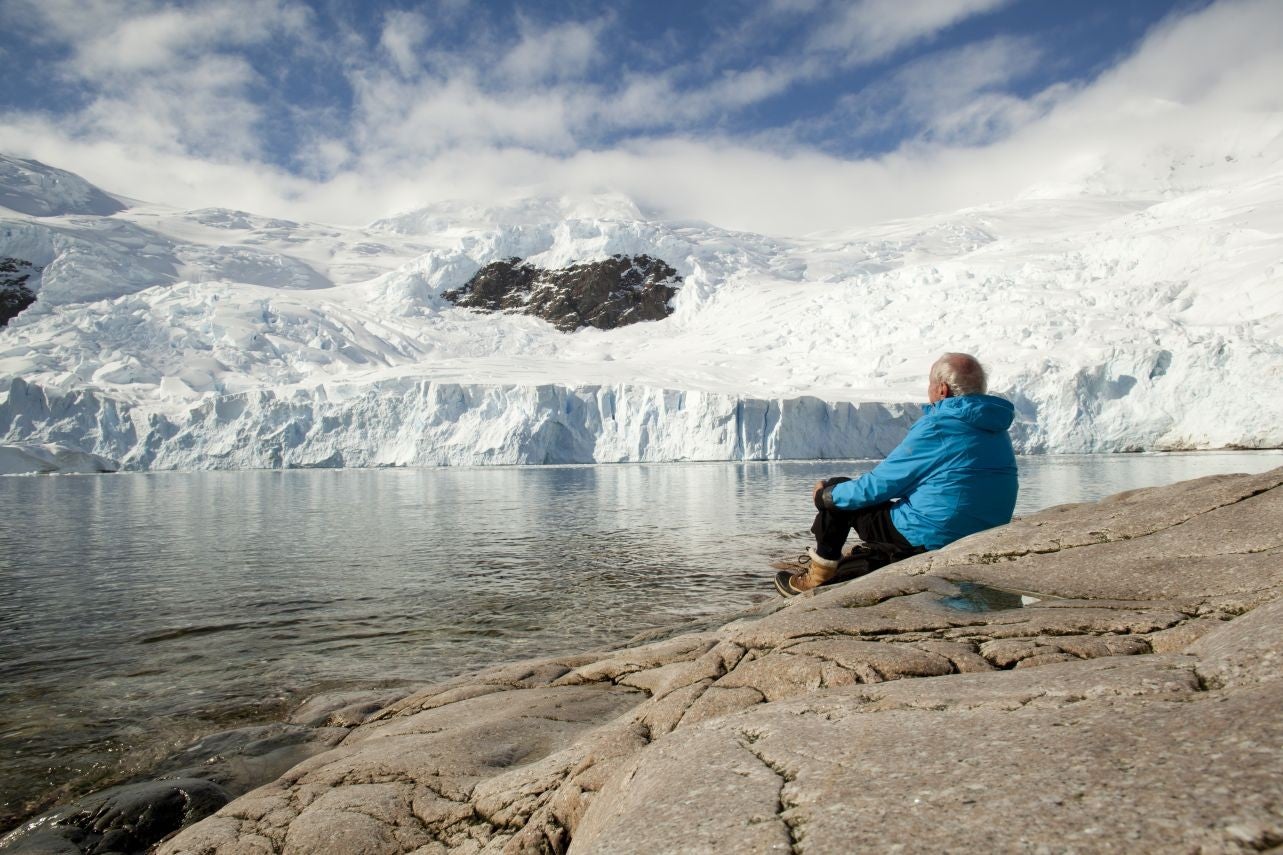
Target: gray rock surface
x=345, y=708
x=1128, y=702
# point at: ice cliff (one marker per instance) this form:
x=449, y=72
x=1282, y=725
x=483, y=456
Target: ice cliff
x=421, y=423
x=1145, y=319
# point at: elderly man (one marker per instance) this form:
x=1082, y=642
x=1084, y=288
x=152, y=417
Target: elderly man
x=953, y=475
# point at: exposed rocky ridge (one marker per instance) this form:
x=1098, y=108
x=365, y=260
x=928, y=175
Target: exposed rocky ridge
x=608, y=294
x=1130, y=703
x=15, y=295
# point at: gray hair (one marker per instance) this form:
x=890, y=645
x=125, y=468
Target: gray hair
x=962, y=373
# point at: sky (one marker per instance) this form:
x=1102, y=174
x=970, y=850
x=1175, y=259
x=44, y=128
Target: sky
x=779, y=116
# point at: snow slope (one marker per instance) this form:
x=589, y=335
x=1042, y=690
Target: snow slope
x=1115, y=319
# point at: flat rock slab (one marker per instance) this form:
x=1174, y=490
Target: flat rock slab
x=1118, y=689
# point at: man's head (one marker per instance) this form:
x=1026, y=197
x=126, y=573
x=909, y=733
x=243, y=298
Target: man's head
x=954, y=375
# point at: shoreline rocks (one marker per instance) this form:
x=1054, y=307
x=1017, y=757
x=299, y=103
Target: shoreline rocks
x=192, y=783
x=1129, y=701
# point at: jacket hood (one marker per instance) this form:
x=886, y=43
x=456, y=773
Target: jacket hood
x=985, y=412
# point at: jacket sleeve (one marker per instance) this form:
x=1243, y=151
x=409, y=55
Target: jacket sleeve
x=910, y=462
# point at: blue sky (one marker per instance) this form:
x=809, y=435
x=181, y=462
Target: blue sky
x=348, y=110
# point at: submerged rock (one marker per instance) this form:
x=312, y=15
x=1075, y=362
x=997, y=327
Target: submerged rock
x=129, y=818
x=607, y=294
x=194, y=782
x=247, y=756
x=1123, y=695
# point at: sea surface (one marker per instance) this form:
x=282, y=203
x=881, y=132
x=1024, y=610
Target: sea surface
x=140, y=611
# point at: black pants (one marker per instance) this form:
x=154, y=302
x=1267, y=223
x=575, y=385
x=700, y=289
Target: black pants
x=872, y=524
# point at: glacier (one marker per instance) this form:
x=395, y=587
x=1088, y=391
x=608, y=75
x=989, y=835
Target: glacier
x=1117, y=316
x=422, y=423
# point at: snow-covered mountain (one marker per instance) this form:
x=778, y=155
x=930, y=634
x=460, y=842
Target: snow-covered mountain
x=1149, y=319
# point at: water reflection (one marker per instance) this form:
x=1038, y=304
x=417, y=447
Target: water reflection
x=974, y=597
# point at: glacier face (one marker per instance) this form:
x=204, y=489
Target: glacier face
x=213, y=338
x=422, y=423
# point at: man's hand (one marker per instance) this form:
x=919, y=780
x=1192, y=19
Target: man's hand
x=820, y=486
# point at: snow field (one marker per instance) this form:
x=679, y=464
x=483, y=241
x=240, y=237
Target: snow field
x=1113, y=322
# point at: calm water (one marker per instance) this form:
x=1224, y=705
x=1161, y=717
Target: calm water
x=139, y=611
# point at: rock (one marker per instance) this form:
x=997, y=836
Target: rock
x=246, y=757
x=345, y=709
x=128, y=818
x=1117, y=689
x=615, y=292
x=15, y=293
x=1245, y=651
x=191, y=783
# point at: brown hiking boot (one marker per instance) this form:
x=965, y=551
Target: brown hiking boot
x=819, y=571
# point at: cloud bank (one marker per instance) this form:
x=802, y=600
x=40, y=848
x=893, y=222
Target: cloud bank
x=264, y=105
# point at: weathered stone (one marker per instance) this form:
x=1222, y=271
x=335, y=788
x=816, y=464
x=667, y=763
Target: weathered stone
x=647, y=808
x=345, y=709
x=1089, y=776
x=718, y=701
x=521, y=675
x=1243, y=651
x=663, y=715
x=782, y=675
x=963, y=656
x=486, y=735
x=1182, y=635
x=889, y=712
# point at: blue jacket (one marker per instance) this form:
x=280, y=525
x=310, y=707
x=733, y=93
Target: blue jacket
x=954, y=473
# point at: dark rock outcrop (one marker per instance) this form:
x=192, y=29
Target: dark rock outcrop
x=14, y=293
x=607, y=294
x=194, y=782
x=128, y=818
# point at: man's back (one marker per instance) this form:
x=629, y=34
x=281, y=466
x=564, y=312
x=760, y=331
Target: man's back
x=973, y=484
x=954, y=474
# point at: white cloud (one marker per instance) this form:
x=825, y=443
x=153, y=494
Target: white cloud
x=873, y=29
x=1204, y=84
x=950, y=96
x=403, y=35
x=561, y=52
x=125, y=38
x=165, y=78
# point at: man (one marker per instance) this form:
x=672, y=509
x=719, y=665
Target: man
x=953, y=475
